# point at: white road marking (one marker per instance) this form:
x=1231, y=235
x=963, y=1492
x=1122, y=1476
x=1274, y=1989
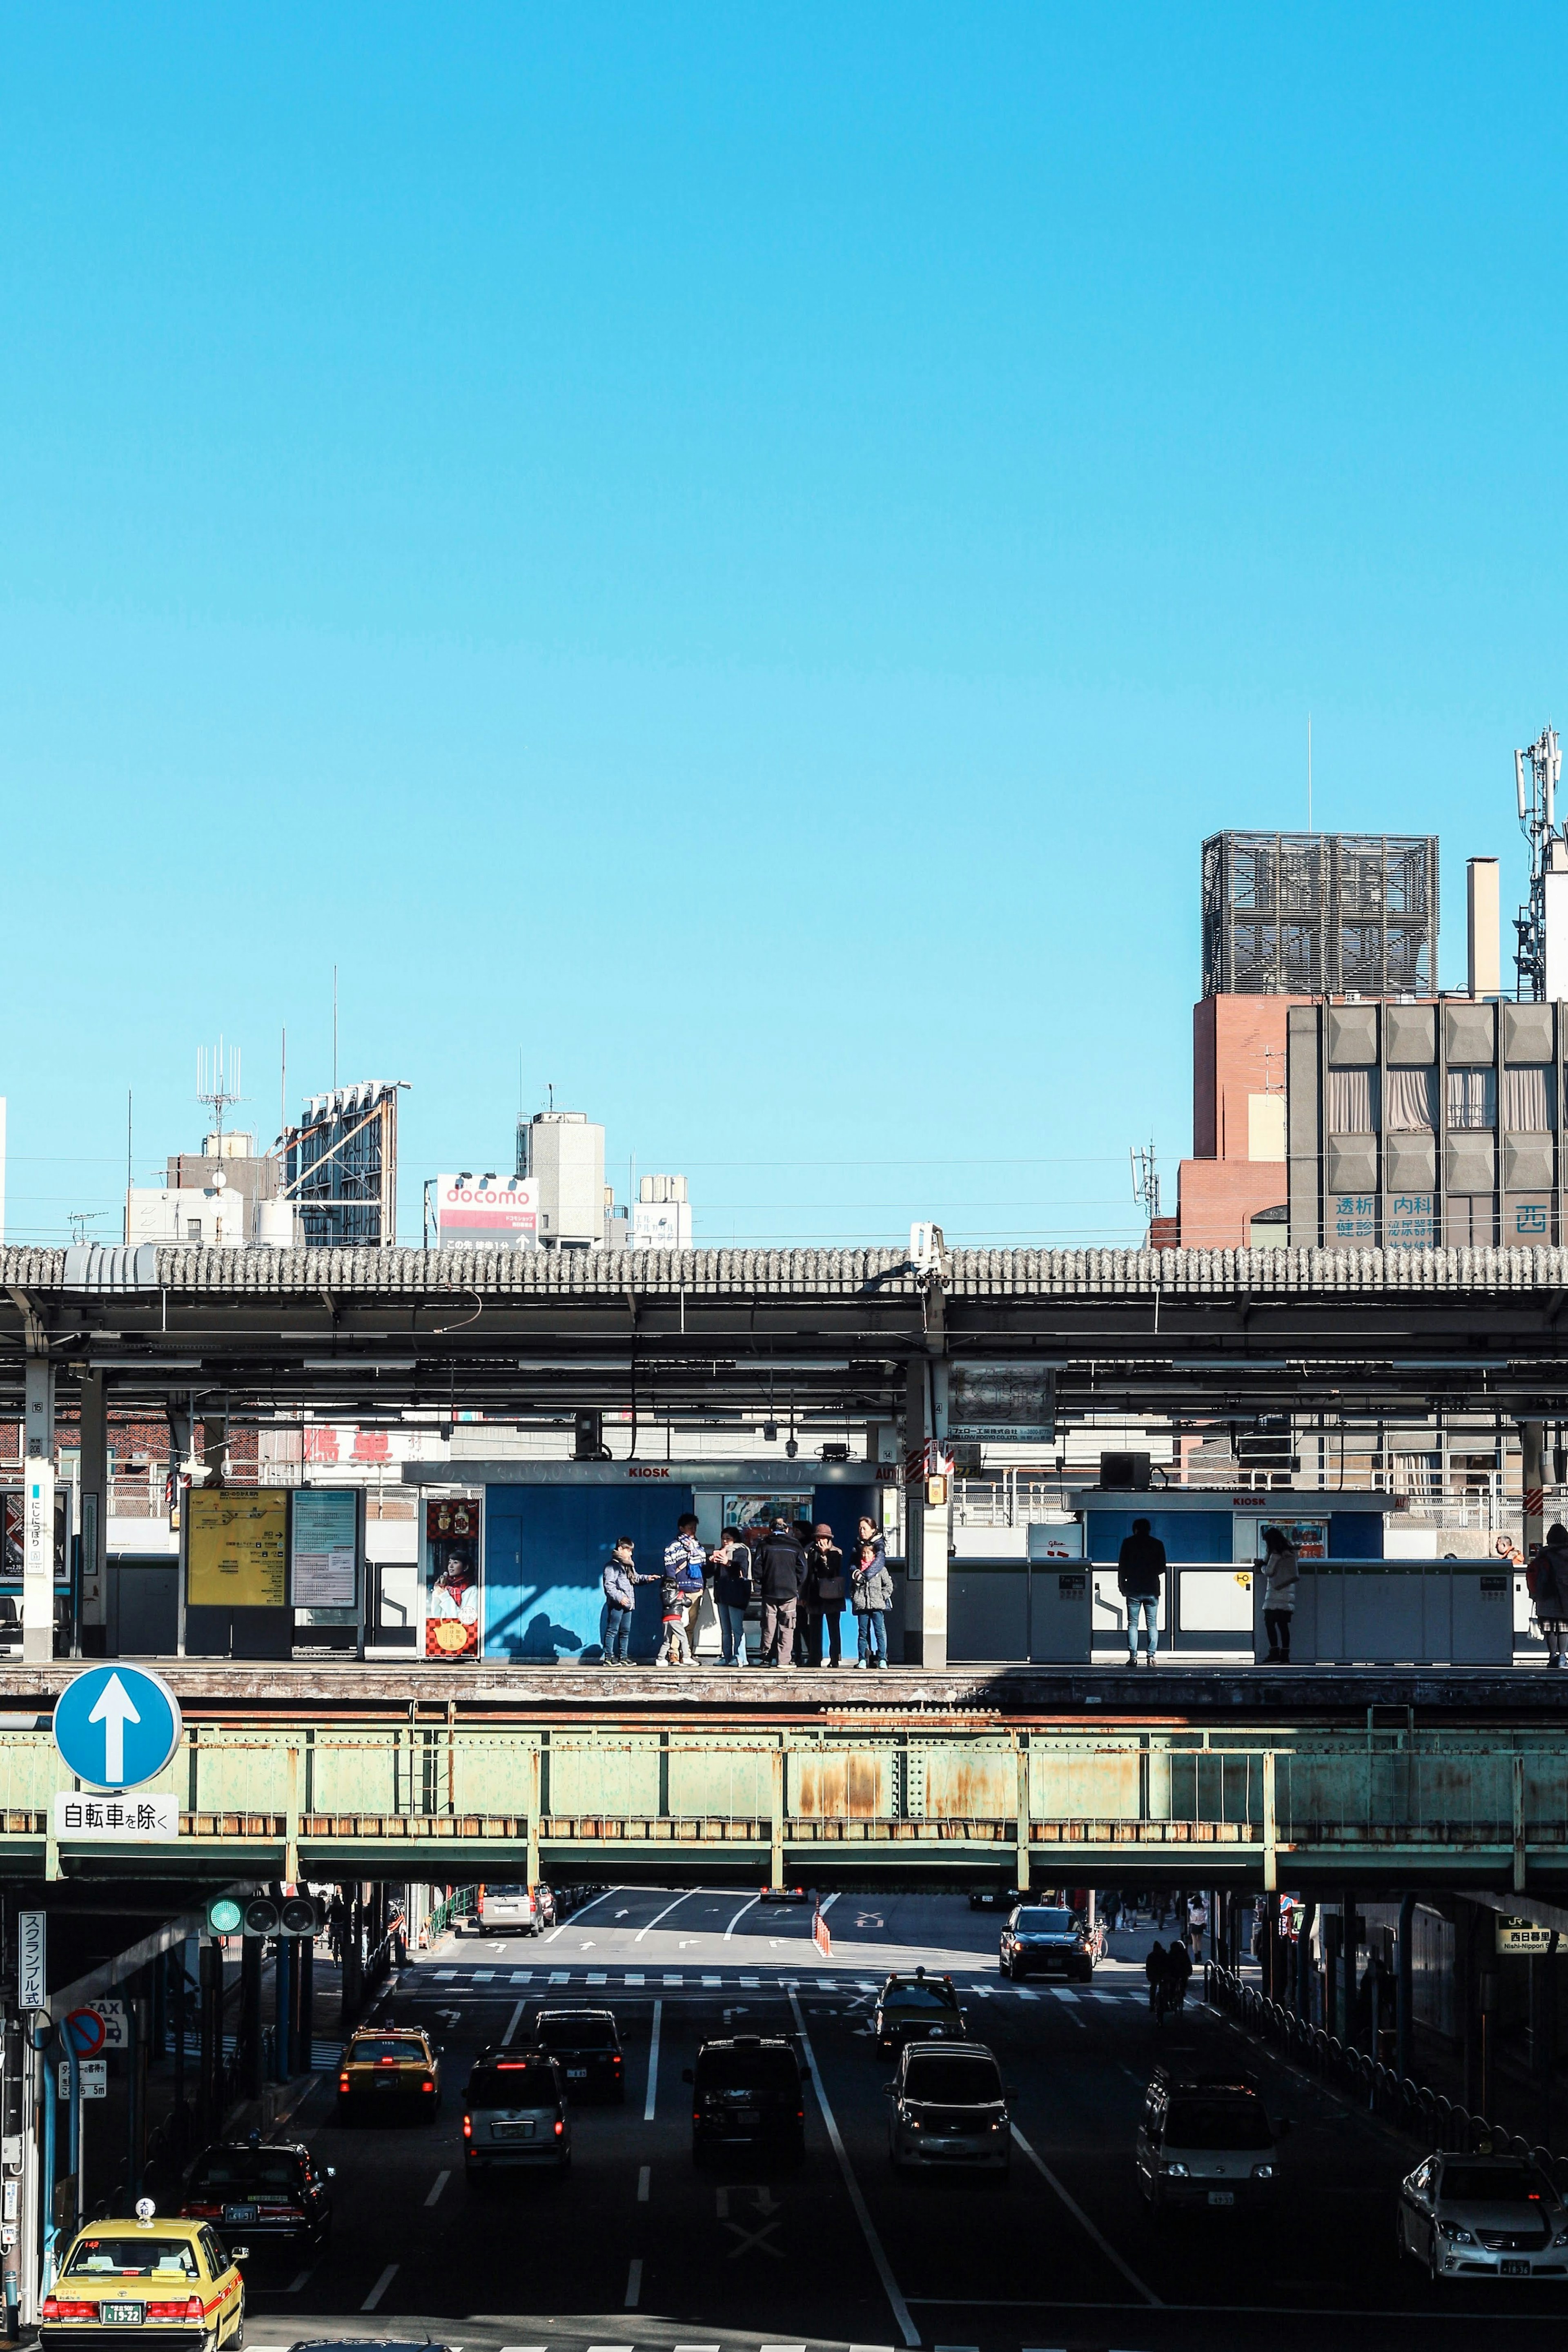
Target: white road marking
x=713, y=1980
x=662, y=1914
x=522, y=1976
x=297, y=2285
x=559, y=1976
x=675, y=1980
x=867, y=2229
x=634, y=2283
x=740, y=1914
x=749, y=1984
x=484, y=1976
x=445, y=1972
x=1082, y=2218
x=380, y=2287
x=512, y=2023
x=631, y=1981
x=600, y=1978
x=644, y=2176
x=436, y=2186
x=649, y=2103
x=582, y=1914
x=826, y=1904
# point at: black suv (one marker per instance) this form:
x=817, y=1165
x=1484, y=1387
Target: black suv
x=747, y=2091
x=586, y=2044
x=276, y=2193
x=918, y=2009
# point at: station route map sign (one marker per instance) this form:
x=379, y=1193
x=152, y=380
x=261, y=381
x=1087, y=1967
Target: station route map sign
x=1001, y=1401
x=237, y=1554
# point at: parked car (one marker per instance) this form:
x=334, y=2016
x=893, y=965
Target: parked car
x=917, y=2008
x=514, y=2113
x=1482, y=2217
x=586, y=2043
x=949, y=2107
x=992, y=1898
x=276, y=2193
x=386, y=2070
x=747, y=2091
x=1042, y=1939
x=1207, y=2140
x=785, y=1894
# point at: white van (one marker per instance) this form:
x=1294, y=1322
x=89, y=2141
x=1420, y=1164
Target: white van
x=509, y=1910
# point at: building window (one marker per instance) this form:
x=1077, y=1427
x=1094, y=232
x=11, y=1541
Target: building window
x=1527, y=1100
x=1353, y=1102
x=1472, y=1099
x=1412, y=1101
x=193, y=1229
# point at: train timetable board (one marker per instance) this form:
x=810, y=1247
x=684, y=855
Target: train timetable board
x=237, y=1548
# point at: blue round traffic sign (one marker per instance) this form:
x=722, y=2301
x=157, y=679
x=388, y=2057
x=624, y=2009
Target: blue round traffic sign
x=117, y=1725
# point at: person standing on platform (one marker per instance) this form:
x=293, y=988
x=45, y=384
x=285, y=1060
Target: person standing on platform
x=1140, y=1579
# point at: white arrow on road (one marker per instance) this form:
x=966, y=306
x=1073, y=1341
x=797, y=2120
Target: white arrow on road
x=114, y=1711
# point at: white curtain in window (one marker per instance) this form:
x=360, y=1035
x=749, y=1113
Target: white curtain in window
x=1472, y=1099
x=1527, y=1099
x=1412, y=1101
x=1353, y=1102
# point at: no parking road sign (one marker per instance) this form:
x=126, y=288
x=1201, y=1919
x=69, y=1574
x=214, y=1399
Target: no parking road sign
x=87, y=2032
x=116, y=1727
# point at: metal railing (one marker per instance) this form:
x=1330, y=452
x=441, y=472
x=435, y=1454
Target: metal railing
x=1426, y=2115
x=459, y=1904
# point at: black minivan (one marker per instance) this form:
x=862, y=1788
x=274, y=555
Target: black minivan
x=747, y=2091
x=586, y=2045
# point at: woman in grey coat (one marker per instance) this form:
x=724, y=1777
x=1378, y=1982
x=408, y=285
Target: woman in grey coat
x=871, y=1594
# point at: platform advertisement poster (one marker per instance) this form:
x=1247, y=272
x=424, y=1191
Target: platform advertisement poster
x=237, y=1548
x=325, y=1549
x=452, y=1578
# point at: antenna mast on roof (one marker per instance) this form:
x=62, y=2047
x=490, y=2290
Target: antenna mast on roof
x=217, y=1083
x=1146, y=1180
x=1536, y=772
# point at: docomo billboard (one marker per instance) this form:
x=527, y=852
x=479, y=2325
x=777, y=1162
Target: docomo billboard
x=498, y=1212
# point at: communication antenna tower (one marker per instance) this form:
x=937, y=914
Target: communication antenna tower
x=1536, y=771
x=217, y=1083
x=1146, y=1180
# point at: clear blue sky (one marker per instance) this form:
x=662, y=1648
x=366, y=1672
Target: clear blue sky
x=735, y=553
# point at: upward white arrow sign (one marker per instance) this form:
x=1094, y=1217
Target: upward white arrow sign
x=114, y=1711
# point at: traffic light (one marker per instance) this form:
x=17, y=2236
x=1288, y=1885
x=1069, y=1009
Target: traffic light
x=266, y=1915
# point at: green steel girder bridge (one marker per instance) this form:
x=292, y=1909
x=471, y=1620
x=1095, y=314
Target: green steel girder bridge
x=1356, y=1790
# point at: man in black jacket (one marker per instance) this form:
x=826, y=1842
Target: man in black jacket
x=1141, y=1578
x=779, y=1569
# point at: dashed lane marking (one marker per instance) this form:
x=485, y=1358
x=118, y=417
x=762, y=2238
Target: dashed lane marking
x=436, y=2186
x=634, y=2282
x=380, y=2287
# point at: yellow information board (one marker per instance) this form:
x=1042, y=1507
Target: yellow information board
x=236, y=1551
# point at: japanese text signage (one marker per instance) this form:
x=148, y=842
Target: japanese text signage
x=236, y=1549
x=148, y=1820
x=32, y=1959
x=325, y=1547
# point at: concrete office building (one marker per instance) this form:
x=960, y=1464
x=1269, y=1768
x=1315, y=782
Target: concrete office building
x=563, y=1152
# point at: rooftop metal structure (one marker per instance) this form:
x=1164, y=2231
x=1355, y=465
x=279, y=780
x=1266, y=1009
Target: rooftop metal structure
x=1314, y=914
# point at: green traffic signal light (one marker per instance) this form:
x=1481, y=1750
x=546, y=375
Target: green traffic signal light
x=224, y=1916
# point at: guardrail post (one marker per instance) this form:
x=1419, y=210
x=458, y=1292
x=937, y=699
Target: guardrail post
x=536, y=1796
x=776, y=1820
x=1020, y=1874
x=1271, y=1829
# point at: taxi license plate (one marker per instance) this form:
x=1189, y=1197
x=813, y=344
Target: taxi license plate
x=240, y=2212
x=512, y=2131
x=386, y=2082
x=1514, y=2270
x=121, y=2315
x=576, y=2073
x=1222, y=2196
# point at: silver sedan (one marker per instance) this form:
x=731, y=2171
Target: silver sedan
x=1482, y=2217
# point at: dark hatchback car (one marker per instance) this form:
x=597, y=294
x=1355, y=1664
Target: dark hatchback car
x=277, y=2194
x=586, y=2045
x=747, y=2091
x=918, y=2009
x=514, y=2113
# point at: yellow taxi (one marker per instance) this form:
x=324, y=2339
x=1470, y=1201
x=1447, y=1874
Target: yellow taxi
x=168, y=2283
x=391, y=2070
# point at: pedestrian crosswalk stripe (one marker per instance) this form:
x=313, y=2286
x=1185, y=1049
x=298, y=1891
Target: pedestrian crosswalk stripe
x=598, y=1977
x=484, y=1976
x=559, y=1976
x=521, y=1975
x=675, y=1980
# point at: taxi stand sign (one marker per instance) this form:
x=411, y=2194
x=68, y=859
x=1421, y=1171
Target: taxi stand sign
x=92, y=2075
